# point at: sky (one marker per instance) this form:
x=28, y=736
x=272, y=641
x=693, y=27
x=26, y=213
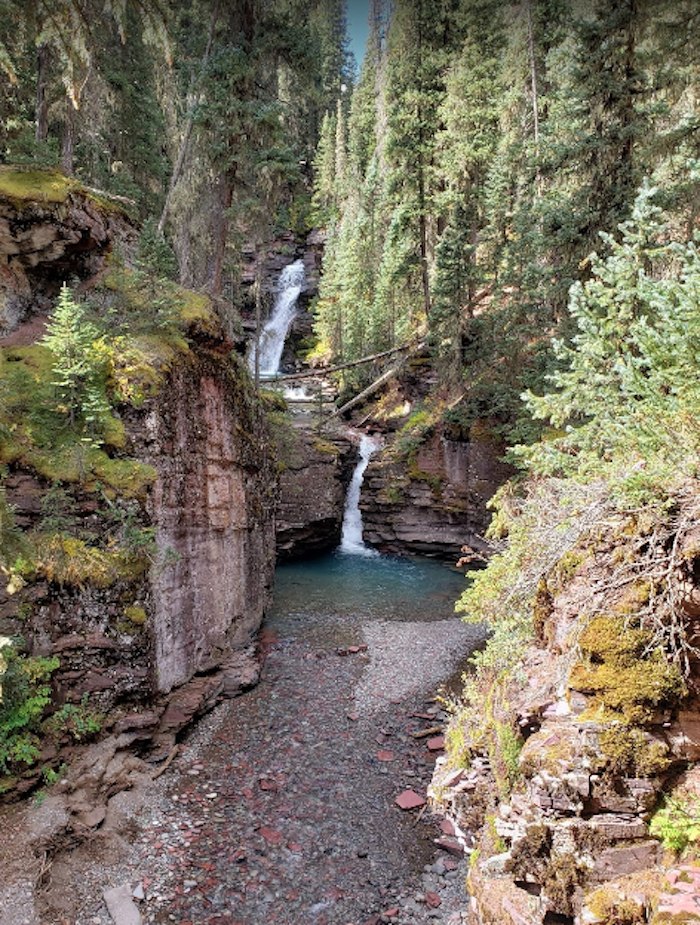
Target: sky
x=358, y=17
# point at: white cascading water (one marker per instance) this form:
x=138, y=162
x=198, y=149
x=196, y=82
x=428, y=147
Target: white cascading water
x=351, y=538
x=274, y=333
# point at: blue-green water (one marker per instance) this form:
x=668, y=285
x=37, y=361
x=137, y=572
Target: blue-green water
x=348, y=588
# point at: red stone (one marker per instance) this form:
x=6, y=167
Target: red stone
x=266, y=784
x=271, y=836
x=409, y=799
x=432, y=900
x=679, y=905
x=436, y=744
x=384, y=755
x=446, y=827
x=353, y=716
x=391, y=913
x=450, y=845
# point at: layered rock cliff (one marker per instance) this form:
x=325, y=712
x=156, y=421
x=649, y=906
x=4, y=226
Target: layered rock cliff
x=437, y=504
x=314, y=473
x=570, y=770
x=137, y=563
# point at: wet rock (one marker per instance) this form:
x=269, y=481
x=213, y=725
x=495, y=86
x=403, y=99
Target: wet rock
x=313, y=484
x=442, y=507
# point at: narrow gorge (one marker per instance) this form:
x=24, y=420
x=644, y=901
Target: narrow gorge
x=349, y=462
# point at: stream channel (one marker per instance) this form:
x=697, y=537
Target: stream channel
x=281, y=810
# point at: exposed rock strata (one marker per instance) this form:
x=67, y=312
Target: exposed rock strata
x=571, y=841
x=314, y=475
x=436, y=505
x=45, y=240
x=151, y=648
x=212, y=507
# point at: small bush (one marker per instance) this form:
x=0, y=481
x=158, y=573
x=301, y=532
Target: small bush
x=24, y=696
x=677, y=823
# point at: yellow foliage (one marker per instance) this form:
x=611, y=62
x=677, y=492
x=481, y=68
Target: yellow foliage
x=67, y=560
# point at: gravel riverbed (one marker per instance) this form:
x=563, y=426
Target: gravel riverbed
x=280, y=808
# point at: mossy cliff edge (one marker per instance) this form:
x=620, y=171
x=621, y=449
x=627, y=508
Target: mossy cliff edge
x=137, y=543
x=573, y=778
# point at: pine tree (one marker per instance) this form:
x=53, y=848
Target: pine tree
x=79, y=374
x=627, y=388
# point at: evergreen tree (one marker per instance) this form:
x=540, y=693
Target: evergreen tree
x=628, y=386
x=79, y=373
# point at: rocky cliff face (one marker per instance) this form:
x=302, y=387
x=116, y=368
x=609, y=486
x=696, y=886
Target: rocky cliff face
x=565, y=779
x=142, y=565
x=212, y=506
x=436, y=504
x=314, y=475
x=51, y=229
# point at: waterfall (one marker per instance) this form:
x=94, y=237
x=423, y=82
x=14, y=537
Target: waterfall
x=273, y=335
x=351, y=541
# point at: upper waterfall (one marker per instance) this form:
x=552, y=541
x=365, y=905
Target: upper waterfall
x=273, y=335
x=351, y=539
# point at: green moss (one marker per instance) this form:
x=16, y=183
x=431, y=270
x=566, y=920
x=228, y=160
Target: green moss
x=494, y=842
x=609, y=908
x=325, y=446
x=628, y=678
x=148, y=303
x=128, y=477
x=136, y=615
x=529, y=854
x=394, y=493
x=627, y=750
x=634, y=598
x=29, y=184
x=416, y=474
x=272, y=400
x=566, y=567
x=609, y=639
x=196, y=310
x=560, y=883
x=542, y=609
x=69, y=561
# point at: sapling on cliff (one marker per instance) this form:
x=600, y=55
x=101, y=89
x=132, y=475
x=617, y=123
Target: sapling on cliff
x=79, y=366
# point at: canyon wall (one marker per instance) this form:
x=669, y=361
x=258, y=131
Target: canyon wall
x=138, y=566
x=436, y=503
x=573, y=779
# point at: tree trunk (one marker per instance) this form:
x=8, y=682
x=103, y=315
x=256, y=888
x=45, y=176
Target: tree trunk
x=258, y=321
x=42, y=103
x=220, y=228
x=68, y=139
x=189, y=123
x=422, y=218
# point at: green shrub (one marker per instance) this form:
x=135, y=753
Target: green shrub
x=77, y=721
x=677, y=823
x=24, y=696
